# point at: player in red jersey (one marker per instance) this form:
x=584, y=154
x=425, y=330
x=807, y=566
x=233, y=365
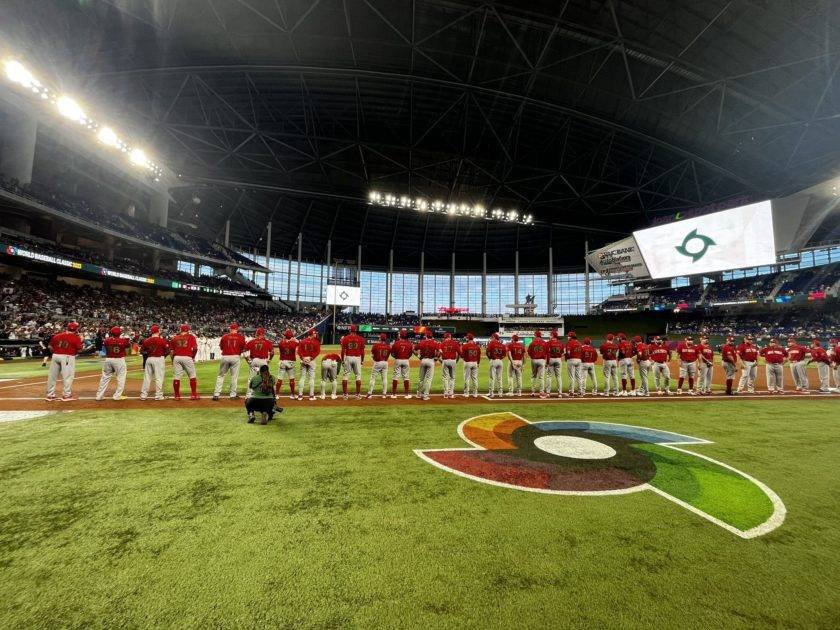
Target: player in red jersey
x=260, y=352
x=819, y=356
x=609, y=353
x=834, y=355
x=588, y=358
x=471, y=354
x=308, y=350
x=516, y=356
x=625, y=365
x=556, y=351
x=660, y=354
x=329, y=374
x=353, y=355
x=729, y=359
x=450, y=352
x=183, y=348
x=287, y=349
x=538, y=353
x=688, y=354
x=748, y=353
x=402, y=350
x=232, y=345
x=798, y=362
x=379, y=352
x=706, y=364
x=428, y=351
x=496, y=353
x=774, y=357
x=641, y=351
x=573, y=363
x=155, y=348
x=114, y=365
x=64, y=347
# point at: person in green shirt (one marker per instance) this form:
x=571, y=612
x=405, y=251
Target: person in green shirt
x=262, y=399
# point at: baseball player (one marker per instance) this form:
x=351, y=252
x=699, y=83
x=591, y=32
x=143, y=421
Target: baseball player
x=155, y=348
x=588, y=358
x=402, y=350
x=450, y=352
x=573, y=363
x=428, y=351
x=625, y=365
x=115, y=345
x=642, y=353
x=352, y=355
x=729, y=360
x=308, y=351
x=516, y=356
x=260, y=352
x=660, y=355
x=774, y=357
x=834, y=355
x=748, y=353
x=706, y=365
x=380, y=351
x=819, y=356
x=232, y=346
x=183, y=348
x=538, y=353
x=798, y=362
x=64, y=347
x=496, y=353
x=287, y=349
x=609, y=353
x=329, y=374
x=471, y=354
x=688, y=354
x=556, y=351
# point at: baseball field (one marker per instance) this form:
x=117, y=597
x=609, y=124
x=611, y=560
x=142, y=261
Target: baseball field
x=337, y=514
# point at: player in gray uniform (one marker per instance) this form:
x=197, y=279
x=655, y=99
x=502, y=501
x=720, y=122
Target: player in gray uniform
x=64, y=346
x=402, y=350
x=232, y=346
x=609, y=352
x=798, y=365
x=114, y=365
x=155, y=348
x=643, y=361
x=706, y=367
x=748, y=353
x=428, y=352
x=774, y=357
x=496, y=353
x=471, y=353
x=450, y=350
x=329, y=374
x=379, y=352
x=818, y=355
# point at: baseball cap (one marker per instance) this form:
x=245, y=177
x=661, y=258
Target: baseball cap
x=637, y=338
x=470, y=336
x=234, y=326
x=495, y=335
x=185, y=327
x=383, y=336
x=572, y=334
x=260, y=332
x=403, y=333
x=587, y=340
x=657, y=339
x=514, y=337
x=610, y=336
x=834, y=341
x=447, y=335
x=555, y=333
x=73, y=326
x=311, y=331
x=353, y=328
x=815, y=340
x=429, y=334
x=621, y=335
x=288, y=334
x=116, y=331
x=154, y=329
x=537, y=333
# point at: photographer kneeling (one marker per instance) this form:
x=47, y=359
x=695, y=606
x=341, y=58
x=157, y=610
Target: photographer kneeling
x=262, y=396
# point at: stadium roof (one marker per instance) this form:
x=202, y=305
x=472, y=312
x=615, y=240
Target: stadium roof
x=594, y=116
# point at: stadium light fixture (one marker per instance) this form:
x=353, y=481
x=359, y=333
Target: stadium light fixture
x=69, y=108
x=452, y=209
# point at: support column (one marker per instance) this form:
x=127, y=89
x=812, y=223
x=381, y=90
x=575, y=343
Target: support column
x=159, y=208
x=18, y=154
x=484, y=285
x=289, y=278
x=452, y=283
x=329, y=268
x=359, y=268
x=389, y=285
x=516, y=281
x=300, y=254
x=586, y=304
x=227, y=233
x=420, y=285
x=550, y=287
x=267, y=252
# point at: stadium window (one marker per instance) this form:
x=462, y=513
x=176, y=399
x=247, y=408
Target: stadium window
x=186, y=267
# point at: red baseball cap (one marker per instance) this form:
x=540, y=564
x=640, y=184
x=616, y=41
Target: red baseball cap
x=637, y=338
x=610, y=336
x=621, y=335
x=403, y=333
x=353, y=328
x=470, y=336
x=260, y=332
x=154, y=329
x=382, y=336
x=116, y=331
x=288, y=334
x=587, y=340
x=429, y=334
x=185, y=328
x=514, y=337
x=555, y=333
x=572, y=334
x=447, y=335
x=234, y=326
x=495, y=335
x=73, y=326
x=311, y=332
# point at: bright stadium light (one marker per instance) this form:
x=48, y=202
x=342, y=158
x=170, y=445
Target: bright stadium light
x=453, y=208
x=69, y=108
x=108, y=136
x=16, y=72
x=138, y=157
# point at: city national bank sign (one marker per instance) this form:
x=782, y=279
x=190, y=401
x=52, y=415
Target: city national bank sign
x=620, y=260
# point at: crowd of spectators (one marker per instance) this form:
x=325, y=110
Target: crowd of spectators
x=802, y=323
x=754, y=288
x=377, y=319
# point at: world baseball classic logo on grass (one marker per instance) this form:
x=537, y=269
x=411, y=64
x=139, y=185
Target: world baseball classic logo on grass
x=603, y=458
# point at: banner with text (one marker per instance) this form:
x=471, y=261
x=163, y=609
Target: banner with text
x=619, y=261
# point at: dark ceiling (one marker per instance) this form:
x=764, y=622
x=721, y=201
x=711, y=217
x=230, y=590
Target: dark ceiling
x=594, y=116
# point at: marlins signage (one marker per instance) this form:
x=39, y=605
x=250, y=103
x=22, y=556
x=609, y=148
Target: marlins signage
x=620, y=260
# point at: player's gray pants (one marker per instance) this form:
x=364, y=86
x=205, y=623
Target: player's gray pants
x=610, y=376
x=183, y=365
x=496, y=384
x=378, y=373
x=253, y=369
x=749, y=372
x=799, y=374
x=285, y=369
x=448, y=369
x=515, y=377
x=775, y=377
x=837, y=377
x=329, y=374
x=63, y=365
x=307, y=375
x=706, y=369
x=575, y=375
x=228, y=363
x=688, y=369
x=644, y=371
x=427, y=373
x=538, y=376
x=555, y=372
x=662, y=376
x=110, y=368
x=587, y=373
x=402, y=370
x=625, y=368
x=470, y=378
x=823, y=372
x=353, y=365
x=155, y=367
x=729, y=369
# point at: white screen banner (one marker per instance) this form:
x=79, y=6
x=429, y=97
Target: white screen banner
x=732, y=239
x=339, y=295
x=619, y=261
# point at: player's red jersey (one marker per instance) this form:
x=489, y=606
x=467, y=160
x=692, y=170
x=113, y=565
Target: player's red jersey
x=819, y=355
x=835, y=354
x=748, y=352
x=688, y=354
x=625, y=349
x=115, y=347
x=380, y=351
x=309, y=347
x=402, y=349
x=516, y=350
x=155, y=347
x=774, y=354
x=609, y=351
x=660, y=353
x=353, y=345
x=796, y=353
x=450, y=349
x=471, y=352
x=287, y=349
x=332, y=356
x=496, y=349
x=259, y=348
x=66, y=343
x=707, y=352
x=538, y=348
x=183, y=345
x=642, y=351
x=729, y=354
x=232, y=344
x=427, y=349
x=573, y=347
x=588, y=354
x=556, y=349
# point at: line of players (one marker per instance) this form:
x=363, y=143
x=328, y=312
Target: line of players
x=620, y=358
